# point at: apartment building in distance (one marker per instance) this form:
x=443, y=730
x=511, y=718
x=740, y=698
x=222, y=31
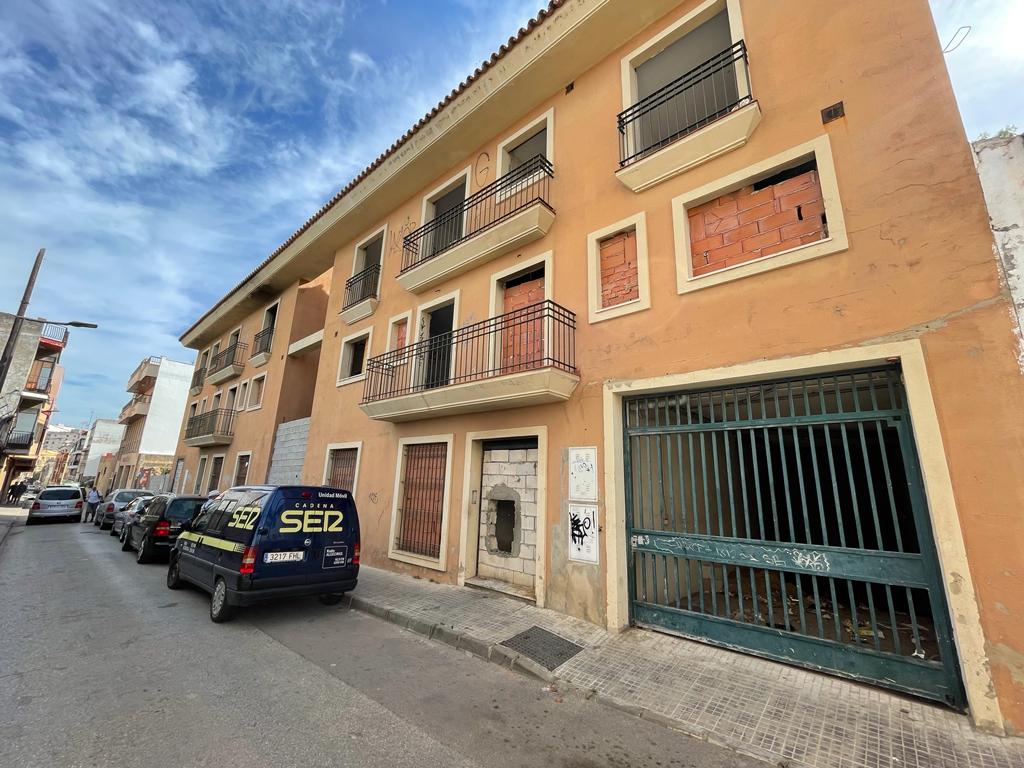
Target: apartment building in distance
x=145, y=458
x=251, y=393
x=680, y=315
x=104, y=437
x=28, y=395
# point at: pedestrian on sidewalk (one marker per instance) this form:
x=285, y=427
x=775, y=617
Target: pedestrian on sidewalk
x=15, y=491
x=92, y=501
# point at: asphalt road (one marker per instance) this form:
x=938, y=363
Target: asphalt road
x=102, y=665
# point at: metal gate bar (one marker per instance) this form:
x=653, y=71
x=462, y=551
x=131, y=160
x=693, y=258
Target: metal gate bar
x=788, y=517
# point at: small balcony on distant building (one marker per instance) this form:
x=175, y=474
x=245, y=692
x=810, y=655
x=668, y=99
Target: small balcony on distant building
x=216, y=427
x=134, y=409
x=261, y=344
x=506, y=214
x=524, y=357
x=198, y=378
x=361, y=294
x=144, y=376
x=53, y=336
x=227, y=364
x=40, y=377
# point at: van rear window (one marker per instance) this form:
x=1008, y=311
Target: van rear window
x=243, y=515
x=60, y=494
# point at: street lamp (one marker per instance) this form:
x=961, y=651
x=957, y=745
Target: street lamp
x=12, y=339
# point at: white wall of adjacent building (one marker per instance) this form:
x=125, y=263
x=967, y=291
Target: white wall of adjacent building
x=163, y=422
x=104, y=437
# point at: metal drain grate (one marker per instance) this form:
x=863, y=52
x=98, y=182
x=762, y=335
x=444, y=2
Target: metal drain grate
x=546, y=648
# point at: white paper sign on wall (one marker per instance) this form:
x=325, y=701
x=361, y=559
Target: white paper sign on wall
x=583, y=474
x=583, y=538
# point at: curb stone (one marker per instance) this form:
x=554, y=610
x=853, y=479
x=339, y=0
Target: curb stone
x=507, y=658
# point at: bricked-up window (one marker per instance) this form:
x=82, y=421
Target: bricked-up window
x=619, y=281
x=341, y=468
x=399, y=334
x=422, y=499
x=778, y=213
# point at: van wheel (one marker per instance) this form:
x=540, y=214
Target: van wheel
x=220, y=611
x=143, y=555
x=173, y=575
x=331, y=599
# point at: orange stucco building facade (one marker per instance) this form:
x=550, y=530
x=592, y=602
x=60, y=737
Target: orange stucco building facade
x=759, y=285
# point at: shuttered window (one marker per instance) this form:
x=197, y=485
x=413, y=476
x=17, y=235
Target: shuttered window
x=422, y=499
x=341, y=468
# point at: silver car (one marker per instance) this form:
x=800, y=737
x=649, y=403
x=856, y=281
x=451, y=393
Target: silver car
x=124, y=517
x=116, y=501
x=64, y=501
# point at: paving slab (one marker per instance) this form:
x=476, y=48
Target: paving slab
x=782, y=714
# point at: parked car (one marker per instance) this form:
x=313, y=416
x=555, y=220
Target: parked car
x=153, y=532
x=57, y=501
x=116, y=500
x=260, y=543
x=131, y=510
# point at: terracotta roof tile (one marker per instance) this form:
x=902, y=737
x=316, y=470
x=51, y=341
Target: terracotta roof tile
x=513, y=41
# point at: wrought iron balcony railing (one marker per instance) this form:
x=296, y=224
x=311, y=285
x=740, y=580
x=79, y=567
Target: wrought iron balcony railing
x=707, y=92
x=233, y=355
x=541, y=335
x=261, y=341
x=220, y=421
x=362, y=286
x=528, y=184
x=19, y=439
x=198, y=378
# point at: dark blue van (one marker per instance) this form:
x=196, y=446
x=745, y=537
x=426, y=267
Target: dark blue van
x=263, y=542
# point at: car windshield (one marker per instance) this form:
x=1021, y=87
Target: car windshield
x=183, y=509
x=60, y=494
x=129, y=495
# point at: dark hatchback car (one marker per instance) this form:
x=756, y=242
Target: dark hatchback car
x=153, y=533
x=258, y=543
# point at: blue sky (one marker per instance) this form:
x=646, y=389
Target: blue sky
x=160, y=150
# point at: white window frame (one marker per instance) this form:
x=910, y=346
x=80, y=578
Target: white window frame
x=263, y=392
x=213, y=458
x=595, y=312
x=545, y=120
x=234, y=472
x=358, y=445
x=820, y=149
x=357, y=254
x=344, y=356
x=405, y=557
x=201, y=467
x=496, y=303
x=395, y=320
x=427, y=208
x=673, y=32
x=263, y=315
x=243, y=395
x=454, y=298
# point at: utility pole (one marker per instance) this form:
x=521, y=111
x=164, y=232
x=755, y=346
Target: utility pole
x=12, y=340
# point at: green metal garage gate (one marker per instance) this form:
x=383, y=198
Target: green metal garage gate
x=787, y=519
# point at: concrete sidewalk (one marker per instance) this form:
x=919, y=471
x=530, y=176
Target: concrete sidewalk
x=781, y=714
x=9, y=517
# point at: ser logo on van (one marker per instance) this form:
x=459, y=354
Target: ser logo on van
x=311, y=521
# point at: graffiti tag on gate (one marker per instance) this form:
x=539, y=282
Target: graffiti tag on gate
x=775, y=557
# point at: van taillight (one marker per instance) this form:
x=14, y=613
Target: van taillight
x=162, y=528
x=248, y=561
x=355, y=554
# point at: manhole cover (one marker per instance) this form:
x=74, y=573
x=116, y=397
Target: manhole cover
x=546, y=648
